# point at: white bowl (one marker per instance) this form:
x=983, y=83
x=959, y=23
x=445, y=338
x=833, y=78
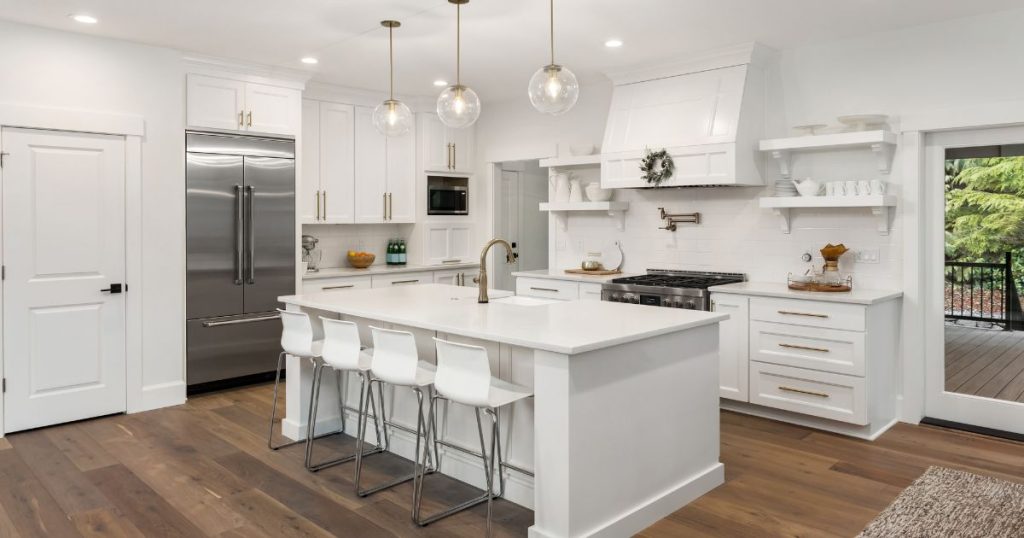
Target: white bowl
x=582, y=149
x=596, y=194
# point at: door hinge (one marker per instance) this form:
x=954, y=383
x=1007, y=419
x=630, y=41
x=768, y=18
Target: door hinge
x=3, y=156
x=4, y=389
x=3, y=272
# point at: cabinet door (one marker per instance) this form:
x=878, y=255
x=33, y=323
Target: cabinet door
x=337, y=163
x=401, y=184
x=271, y=109
x=309, y=183
x=459, y=242
x=434, y=144
x=733, y=337
x=452, y=278
x=462, y=149
x=370, y=168
x=215, y=103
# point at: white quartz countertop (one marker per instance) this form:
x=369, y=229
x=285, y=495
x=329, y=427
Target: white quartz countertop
x=568, y=327
x=778, y=289
x=383, y=269
x=560, y=274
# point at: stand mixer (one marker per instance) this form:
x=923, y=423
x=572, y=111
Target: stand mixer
x=310, y=254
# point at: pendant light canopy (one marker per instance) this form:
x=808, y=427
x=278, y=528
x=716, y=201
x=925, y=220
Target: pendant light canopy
x=553, y=88
x=392, y=117
x=458, y=106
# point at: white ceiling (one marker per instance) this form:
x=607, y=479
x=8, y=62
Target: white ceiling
x=503, y=41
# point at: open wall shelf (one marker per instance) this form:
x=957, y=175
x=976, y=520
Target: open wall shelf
x=615, y=210
x=880, y=205
x=882, y=143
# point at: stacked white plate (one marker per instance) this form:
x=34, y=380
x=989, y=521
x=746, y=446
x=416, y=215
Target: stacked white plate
x=785, y=187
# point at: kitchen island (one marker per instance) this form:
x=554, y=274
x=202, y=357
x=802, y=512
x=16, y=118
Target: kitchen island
x=623, y=429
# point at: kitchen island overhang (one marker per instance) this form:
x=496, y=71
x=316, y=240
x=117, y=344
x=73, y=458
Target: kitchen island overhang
x=624, y=426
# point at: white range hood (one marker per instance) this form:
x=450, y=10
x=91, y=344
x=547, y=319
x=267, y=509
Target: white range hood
x=708, y=112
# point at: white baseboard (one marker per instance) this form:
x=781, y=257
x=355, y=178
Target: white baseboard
x=655, y=509
x=161, y=395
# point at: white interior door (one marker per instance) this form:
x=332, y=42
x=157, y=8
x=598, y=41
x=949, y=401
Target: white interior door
x=987, y=358
x=63, y=243
x=507, y=213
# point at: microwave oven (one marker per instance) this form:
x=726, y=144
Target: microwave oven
x=447, y=200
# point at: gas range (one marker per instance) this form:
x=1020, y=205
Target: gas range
x=675, y=289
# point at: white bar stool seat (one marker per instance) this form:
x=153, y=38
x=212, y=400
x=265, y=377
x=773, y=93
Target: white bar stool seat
x=297, y=339
x=464, y=377
x=396, y=362
x=342, y=352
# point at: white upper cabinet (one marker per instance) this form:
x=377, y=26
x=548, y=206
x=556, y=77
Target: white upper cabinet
x=371, y=169
x=216, y=103
x=337, y=163
x=234, y=105
x=309, y=182
x=401, y=178
x=445, y=149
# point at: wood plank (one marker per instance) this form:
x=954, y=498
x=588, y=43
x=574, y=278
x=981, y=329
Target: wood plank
x=29, y=506
x=1001, y=380
x=272, y=517
x=1001, y=359
x=7, y=529
x=1014, y=390
x=147, y=510
x=79, y=447
x=4, y=444
x=103, y=523
x=66, y=483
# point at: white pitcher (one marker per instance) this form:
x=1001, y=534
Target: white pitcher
x=575, y=191
x=562, y=189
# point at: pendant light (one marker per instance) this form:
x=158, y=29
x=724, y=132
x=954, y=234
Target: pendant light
x=553, y=88
x=458, y=106
x=392, y=117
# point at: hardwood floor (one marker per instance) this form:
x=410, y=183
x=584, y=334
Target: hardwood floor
x=203, y=469
x=985, y=362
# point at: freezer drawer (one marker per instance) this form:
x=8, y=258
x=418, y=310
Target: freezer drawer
x=232, y=346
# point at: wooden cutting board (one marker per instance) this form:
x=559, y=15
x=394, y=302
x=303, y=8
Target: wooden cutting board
x=602, y=272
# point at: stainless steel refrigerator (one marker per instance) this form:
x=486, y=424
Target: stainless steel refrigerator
x=240, y=221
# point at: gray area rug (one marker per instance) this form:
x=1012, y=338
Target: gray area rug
x=948, y=503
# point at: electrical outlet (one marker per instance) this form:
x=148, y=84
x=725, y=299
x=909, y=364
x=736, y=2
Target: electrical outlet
x=868, y=255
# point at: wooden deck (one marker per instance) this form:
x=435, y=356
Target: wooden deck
x=985, y=362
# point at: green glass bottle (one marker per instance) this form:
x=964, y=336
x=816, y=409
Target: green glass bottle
x=402, y=258
x=390, y=256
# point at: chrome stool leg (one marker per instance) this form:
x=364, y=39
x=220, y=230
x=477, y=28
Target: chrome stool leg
x=420, y=433
x=314, y=405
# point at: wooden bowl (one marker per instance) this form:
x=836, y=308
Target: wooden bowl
x=361, y=261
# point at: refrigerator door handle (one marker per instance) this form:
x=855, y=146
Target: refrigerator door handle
x=252, y=236
x=239, y=236
x=240, y=321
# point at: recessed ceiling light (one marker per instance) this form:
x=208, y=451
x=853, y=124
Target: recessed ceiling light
x=309, y=60
x=613, y=43
x=83, y=18
x=440, y=83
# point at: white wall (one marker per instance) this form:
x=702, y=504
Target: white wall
x=60, y=69
x=337, y=239
x=947, y=65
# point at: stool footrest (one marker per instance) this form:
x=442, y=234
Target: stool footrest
x=422, y=522
x=395, y=482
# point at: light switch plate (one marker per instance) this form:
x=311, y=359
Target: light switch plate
x=868, y=255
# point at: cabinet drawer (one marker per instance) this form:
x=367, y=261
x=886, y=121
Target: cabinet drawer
x=402, y=279
x=590, y=292
x=847, y=317
x=828, y=350
x=547, y=288
x=822, y=394
x=335, y=284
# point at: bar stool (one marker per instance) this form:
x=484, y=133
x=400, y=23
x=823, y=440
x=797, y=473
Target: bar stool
x=396, y=362
x=464, y=377
x=342, y=352
x=296, y=339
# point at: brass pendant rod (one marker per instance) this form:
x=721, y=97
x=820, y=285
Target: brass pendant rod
x=458, y=44
x=391, y=58
x=552, y=32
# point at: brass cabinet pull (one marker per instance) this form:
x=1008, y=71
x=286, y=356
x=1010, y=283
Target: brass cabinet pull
x=451, y=260
x=396, y=282
x=802, y=391
x=346, y=286
x=317, y=205
x=384, y=212
x=806, y=314
x=325, y=204
x=552, y=290
x=241, y=118
x=455, y=156
x=808, y=348
x=250, y=119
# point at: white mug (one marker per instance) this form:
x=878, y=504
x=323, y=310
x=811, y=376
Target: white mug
x=830, y=188
x=850, y=188
x=837, y=188
x=877, y=186
x=863, y=187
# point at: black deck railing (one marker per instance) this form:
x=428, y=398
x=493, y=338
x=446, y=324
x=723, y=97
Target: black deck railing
x=983, y=291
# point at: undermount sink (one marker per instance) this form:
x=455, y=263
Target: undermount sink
x=521, y=300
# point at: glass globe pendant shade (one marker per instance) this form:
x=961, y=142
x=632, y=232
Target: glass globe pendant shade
x=554, y=90
x=392, y=118
x=458, y=106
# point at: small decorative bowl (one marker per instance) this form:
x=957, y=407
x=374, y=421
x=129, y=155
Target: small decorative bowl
x=361, y=260
x=596, y=194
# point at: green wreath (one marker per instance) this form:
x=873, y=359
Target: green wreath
x=657, y=166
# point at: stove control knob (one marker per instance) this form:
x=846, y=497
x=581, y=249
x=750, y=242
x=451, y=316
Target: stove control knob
x=616, y=297
x=672, y=303
x=691, y=305
x=635, y=299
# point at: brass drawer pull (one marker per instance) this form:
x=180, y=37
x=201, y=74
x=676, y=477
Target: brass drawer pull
x=552, y=290
x=806, y=314
x=808, y=348
x=802, y=391
x=405, y=282
x=345, y=287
